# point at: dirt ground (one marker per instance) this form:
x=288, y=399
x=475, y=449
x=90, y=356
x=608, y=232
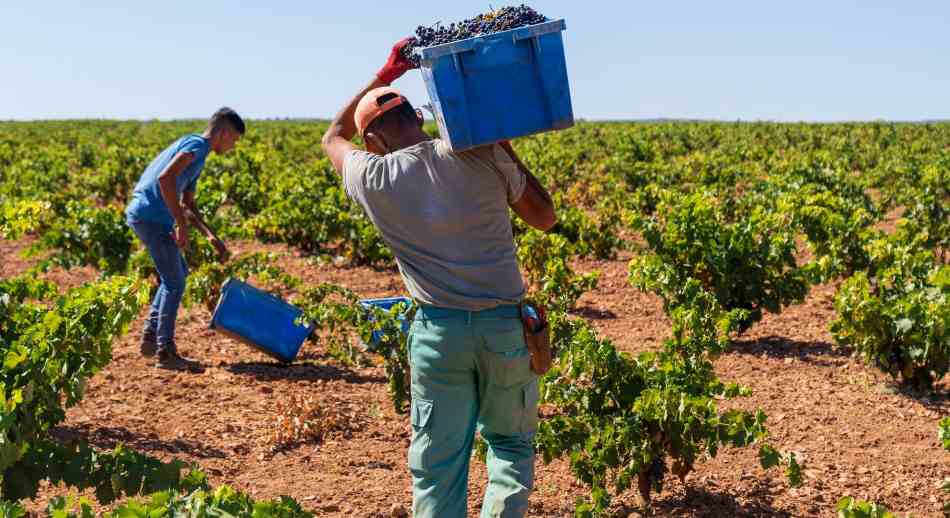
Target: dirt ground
x=857, y=434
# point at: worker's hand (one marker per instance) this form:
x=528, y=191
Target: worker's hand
x=180, y=235
x=397, y=64
x=223, y=252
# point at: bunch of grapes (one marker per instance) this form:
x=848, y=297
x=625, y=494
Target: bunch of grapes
x=498, y=20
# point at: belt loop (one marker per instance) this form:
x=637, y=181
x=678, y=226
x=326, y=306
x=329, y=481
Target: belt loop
x=469, y=315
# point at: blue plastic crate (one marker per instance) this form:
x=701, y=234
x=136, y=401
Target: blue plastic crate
x=260, y=320
x=385, y=304
x=499, y=86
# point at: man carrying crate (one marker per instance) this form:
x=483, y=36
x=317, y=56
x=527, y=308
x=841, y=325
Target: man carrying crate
x=445, y=217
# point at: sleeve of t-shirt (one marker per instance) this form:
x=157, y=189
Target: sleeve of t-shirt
x=363, y=172
x=515, y=180
x=194, y=145
x=199, y=150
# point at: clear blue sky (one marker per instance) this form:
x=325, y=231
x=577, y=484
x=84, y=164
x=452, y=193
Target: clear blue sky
x=803, y=60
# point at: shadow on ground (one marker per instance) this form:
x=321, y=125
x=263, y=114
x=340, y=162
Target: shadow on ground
x=702, y=502
x=111, y=436
x=781, y=347
x=937, y=400
x=822, y=353
x=270, y=371
x=592, y=313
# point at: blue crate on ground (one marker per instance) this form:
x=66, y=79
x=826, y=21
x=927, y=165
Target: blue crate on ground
x=260, y=320
x=385, y=304
x=499, y=86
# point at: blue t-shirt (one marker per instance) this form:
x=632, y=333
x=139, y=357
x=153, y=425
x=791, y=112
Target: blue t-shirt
x=147, y=203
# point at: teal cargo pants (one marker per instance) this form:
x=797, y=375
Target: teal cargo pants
x=471, y=368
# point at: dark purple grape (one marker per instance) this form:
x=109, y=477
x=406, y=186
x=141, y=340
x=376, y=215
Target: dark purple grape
x=503, y=19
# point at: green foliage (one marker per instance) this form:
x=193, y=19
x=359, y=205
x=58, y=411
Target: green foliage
x=927, y=200
x=849, y=507
x=111, y=474
x=12, y=510
x=897, y=315
x=204, y=284
x=21, y=217
x=194, y=500
x=393, y=347
x=223, y=501
x=620, y=418
x=115, y=172
x=336, y=310
x=310, y=210
x=50, y=347
x=69, y=507
x=83, y=235
x=943, y=433
x=587, y=236
x=553, y=283
x=833, y=211
x=91, y=236
x=700, y=325
x=748, y=264
x=720, y=207
x=769, y=457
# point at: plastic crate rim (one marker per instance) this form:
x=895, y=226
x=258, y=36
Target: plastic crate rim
x=528, y=31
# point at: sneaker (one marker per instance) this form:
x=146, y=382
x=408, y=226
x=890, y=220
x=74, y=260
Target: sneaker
x=149, y=343
x=168, y=358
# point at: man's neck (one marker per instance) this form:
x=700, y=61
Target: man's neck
x=207, y=135
x=412, y=139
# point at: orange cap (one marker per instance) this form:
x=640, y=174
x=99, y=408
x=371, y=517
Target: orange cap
x=369, y=108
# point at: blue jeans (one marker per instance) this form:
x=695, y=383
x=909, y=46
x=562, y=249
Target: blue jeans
x=172, y=272
x=471, y=369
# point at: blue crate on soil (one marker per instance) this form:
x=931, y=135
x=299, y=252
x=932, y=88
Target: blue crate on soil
x=499, y=86
x=260, y=320
x=385, y=304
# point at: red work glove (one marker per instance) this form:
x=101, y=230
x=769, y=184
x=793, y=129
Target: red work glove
x=397, y=64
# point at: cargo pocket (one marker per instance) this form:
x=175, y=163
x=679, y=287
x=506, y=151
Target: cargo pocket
x=508, y=358
x=421, y=419
x=530, y=396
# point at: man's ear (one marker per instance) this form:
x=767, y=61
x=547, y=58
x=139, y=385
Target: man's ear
x=375, y=144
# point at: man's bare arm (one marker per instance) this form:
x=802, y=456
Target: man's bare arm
x=167, y=181
x=194, y=216
x=336, y=141
x=535, y=206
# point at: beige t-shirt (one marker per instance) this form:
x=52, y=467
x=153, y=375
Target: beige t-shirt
x=445, y=217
